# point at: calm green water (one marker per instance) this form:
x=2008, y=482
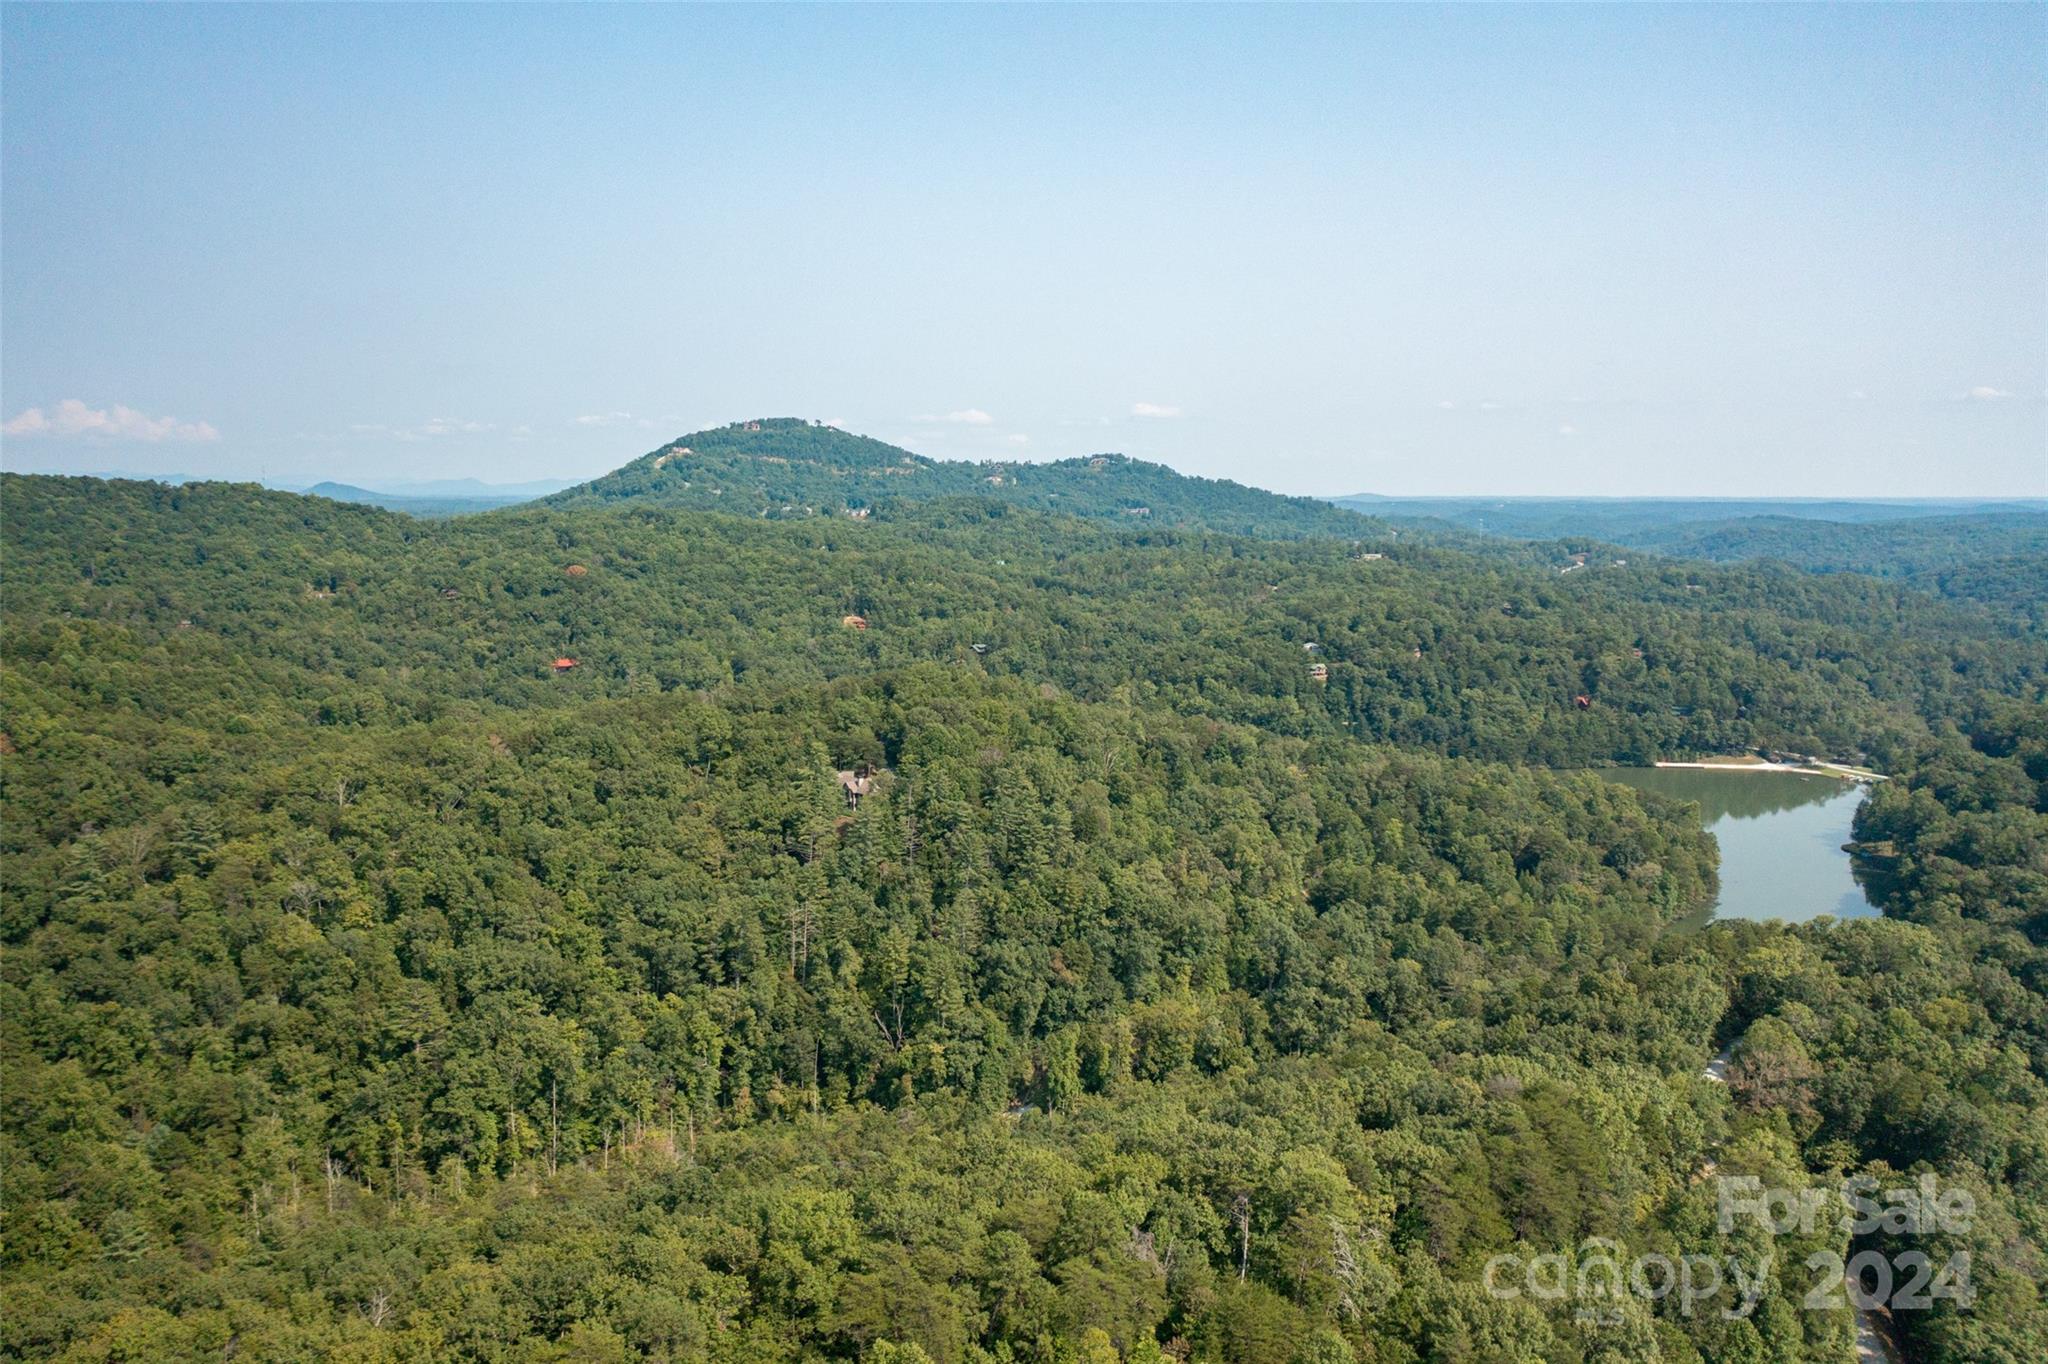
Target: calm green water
x=1781, y=837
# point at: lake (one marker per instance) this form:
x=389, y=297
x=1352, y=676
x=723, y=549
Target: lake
x=1781, y=837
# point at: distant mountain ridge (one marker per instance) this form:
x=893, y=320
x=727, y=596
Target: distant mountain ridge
x=786, y=468
x=424, y=503
x=475, y=487
x=1618, y=518
x=1989, y=551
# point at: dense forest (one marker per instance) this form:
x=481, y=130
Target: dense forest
x=1989, y=558
x=970, y=932
x=310, y=610
x=1988, y=553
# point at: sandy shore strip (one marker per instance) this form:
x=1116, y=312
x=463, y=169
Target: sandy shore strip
x=1816, y=769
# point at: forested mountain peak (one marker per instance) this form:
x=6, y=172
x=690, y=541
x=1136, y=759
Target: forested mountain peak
x=784, y=468
x=784, y=439
x=758, y=444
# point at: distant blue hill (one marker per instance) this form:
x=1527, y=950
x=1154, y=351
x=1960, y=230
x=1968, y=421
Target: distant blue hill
x=420, y=500
x=476, y=488
x=1617, y=518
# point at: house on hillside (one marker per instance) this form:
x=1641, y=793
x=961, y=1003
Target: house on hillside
x=856, y=782
x=852, y=622
x=1319, y=672
x=563, y=665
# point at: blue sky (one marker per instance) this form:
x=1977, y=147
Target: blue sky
x=1639, y=250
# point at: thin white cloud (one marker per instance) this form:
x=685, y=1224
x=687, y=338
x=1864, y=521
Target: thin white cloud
x=836, y=423
x=72, y=418
x=1019, y=438
x=966, y=416
x=433, y=428
x=1567, y=430
x=1153, y=410
x=1447, y=405
x=604, y=419
x=444, y=426
x=1984, y=393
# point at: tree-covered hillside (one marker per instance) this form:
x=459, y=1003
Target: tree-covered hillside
x=284, y=605
x=616, y=1031
x=1988, y=554
x=967, y=935
x=1920, y=1044
x=1993, y=559
x=786, y=468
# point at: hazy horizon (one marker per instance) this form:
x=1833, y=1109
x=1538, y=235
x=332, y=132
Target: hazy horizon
x=399, y=482
x=1672, y=252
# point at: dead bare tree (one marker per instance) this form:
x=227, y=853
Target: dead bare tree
x=1344, y=1266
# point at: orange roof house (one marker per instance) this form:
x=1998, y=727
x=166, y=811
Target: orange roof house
x=563, y=665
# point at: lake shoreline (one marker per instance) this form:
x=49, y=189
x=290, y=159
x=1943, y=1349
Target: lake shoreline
x=1836, y=770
